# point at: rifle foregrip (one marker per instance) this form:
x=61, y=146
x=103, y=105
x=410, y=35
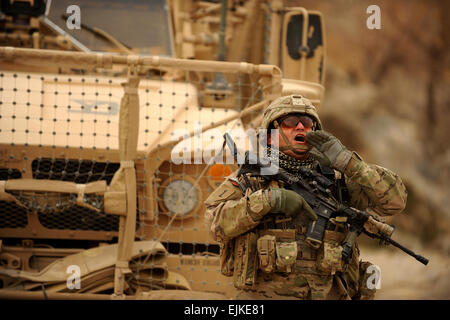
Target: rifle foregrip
x=384, y=228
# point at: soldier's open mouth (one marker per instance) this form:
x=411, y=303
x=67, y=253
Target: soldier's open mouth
x=300, y=138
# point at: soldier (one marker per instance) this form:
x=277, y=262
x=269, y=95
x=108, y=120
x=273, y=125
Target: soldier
x=261, y=226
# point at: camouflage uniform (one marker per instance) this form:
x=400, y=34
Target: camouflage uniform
x=267, y=254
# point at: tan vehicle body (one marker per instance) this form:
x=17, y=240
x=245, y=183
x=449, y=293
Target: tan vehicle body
x=87, y=138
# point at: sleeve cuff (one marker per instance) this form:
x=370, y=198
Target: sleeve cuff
x=258, y=205
x=342, y=160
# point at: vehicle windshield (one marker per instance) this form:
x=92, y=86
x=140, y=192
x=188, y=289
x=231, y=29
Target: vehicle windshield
x=140, y=25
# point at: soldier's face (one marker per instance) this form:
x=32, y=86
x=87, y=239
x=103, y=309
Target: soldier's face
x=295, y=128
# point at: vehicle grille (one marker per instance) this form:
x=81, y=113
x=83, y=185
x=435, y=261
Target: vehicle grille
x=78, y=171
x=73, y=217
x=12, y=216
x=78, y=218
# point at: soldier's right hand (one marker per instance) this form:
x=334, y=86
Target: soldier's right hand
x=289, y=202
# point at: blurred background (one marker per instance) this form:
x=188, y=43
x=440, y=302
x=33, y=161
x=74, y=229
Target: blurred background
x=387, y=97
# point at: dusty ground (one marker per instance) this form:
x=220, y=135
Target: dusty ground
x=404, y=278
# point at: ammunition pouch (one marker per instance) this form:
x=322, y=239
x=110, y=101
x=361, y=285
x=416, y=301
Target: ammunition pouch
x=286, y=256
x=245, y=260
x=266, y=253
x=329, y=257
x=277, y=250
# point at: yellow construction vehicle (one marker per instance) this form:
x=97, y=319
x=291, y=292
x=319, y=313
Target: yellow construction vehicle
x=111, y=122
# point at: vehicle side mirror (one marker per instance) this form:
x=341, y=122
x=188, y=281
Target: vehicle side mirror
x=303, y=46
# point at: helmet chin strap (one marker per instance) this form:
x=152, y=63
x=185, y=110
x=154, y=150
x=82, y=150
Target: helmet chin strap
x=297, y=149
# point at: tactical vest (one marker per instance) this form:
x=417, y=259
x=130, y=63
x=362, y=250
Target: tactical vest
x=278, y=243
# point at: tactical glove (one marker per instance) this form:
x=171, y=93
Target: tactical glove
x=328, y=149
x=289, y=202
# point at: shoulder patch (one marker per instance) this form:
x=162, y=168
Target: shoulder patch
x=225, y=194
x=226, y=191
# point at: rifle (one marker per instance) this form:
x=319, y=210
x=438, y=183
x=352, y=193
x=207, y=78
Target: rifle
x=315, y=189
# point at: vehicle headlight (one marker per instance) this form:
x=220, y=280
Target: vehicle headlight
x=180, y=196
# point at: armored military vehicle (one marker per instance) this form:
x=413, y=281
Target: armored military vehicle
x=112, y=115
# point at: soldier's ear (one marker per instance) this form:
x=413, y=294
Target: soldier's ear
x=271, y=130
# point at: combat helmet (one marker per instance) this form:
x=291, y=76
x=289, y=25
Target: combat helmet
x=294, y=103
x=282, y=106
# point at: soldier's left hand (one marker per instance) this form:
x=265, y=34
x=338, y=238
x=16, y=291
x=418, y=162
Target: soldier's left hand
x=289, y=202
x=328, y=149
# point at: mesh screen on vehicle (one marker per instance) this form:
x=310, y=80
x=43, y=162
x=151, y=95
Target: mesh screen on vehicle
x=79, y=171
x=68, y=127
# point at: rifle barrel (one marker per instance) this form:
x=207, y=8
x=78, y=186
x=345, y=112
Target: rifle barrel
x=418, y=257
